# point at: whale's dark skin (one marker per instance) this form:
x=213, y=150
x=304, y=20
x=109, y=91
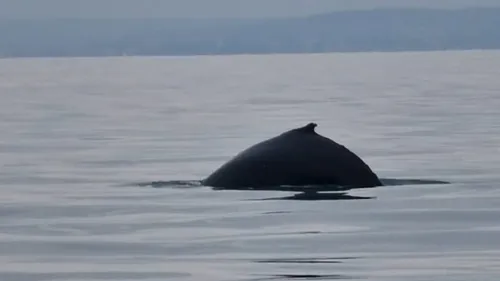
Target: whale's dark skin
x=298, y=157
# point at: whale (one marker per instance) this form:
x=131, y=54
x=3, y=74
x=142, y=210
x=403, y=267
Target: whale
x=297, y=157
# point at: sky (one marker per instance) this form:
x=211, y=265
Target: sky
x=205, y=8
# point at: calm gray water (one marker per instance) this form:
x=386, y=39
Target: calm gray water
x=77, y=135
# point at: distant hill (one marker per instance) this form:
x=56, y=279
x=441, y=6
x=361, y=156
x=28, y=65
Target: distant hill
x=348, y=31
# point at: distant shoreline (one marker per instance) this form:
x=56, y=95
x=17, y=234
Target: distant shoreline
x=249, y=54
x=375, y=30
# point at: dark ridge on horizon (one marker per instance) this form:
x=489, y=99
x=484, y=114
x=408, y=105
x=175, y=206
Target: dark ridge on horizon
x=377, y=29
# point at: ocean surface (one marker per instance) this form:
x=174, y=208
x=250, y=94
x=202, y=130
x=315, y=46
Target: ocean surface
x=83, y=139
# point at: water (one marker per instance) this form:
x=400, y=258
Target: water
x=78, y=134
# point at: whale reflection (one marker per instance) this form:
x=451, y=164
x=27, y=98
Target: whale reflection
x=300, y=193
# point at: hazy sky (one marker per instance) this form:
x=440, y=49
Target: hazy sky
x=204, y=8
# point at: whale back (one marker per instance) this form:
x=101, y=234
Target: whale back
x=296, y=157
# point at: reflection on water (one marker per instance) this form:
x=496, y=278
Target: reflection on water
x=297, y=262
x=305, y=193
x=307, y=260
x=306, y=277
x=314, y=196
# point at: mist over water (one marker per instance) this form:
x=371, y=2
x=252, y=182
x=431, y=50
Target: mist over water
x=85, y=140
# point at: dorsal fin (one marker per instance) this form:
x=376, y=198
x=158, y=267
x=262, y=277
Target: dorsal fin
x=309, y=128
